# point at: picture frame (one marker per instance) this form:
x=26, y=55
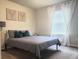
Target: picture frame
x=11, y=14
x=21, y=16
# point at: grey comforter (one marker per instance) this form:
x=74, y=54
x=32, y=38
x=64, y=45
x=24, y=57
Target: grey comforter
x=33, y=44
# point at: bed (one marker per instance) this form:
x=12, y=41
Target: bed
x=33, y=44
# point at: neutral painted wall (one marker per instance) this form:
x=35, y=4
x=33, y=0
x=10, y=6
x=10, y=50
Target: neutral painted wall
x=29, y=24
x=42, y=22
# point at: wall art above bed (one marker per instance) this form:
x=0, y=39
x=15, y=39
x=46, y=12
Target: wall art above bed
x=21, y=16
x=15, y=15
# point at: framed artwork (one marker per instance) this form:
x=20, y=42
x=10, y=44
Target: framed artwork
x=21, y=16
x=11, y=14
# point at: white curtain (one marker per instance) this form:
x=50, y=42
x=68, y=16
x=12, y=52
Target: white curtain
x=61, y=15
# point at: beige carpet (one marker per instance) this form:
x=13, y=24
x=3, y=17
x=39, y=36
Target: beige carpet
x=50, y=53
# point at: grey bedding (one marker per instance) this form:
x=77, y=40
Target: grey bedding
x=33, y=44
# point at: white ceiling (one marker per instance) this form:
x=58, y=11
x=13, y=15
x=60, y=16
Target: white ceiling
x=37, y=3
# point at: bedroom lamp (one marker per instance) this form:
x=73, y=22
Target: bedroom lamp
x=2, y=24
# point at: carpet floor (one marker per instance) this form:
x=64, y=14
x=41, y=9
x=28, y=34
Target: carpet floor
x=50, y=53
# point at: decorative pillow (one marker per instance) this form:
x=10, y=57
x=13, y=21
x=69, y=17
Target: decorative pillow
x=25, y=33
x=18, y=34
x=11, y=33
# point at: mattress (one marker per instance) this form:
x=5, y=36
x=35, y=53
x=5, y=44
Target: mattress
x=33, y=44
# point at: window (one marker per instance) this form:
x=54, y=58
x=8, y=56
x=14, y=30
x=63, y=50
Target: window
x=58, y=22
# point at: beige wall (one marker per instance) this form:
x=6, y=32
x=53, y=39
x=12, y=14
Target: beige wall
x=43, y=23
x=29, y=24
